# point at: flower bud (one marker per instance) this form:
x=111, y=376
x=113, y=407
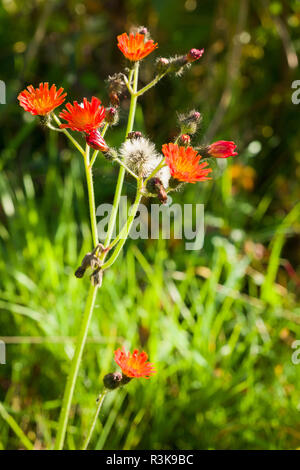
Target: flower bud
x=111, y=116
x=114, y=99
x=175, y=184
x=125, y=379
x=162, y=65
x=189, y=122
x=134, y=135
x=141, y=30
x=95, y=140
x=155, y=186
x=194, y=54
x=116, y=86
x=112, y=381
x=184, y=139
x=221, y=149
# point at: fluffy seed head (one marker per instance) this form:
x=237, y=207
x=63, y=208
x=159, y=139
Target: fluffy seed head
x=140, y=155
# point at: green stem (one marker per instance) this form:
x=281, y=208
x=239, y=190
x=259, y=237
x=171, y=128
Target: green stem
x=128, y=225
x=156, y=169
x=70, y=386
x=71, y=381
x=16, y=428
x=120, y=181
x=90, y=186
x=116, y=159
x=70, y=137
x=150, y=85
x=91, y=430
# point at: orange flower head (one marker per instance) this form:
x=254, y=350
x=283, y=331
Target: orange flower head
x=84, y=117
x=184, y=163
x=135, y=364
x=134, y=46
x=41, y=101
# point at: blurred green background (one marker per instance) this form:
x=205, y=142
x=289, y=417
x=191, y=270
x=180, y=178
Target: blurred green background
x=218, y=323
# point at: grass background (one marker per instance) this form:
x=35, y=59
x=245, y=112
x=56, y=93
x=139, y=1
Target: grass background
x=218, y=323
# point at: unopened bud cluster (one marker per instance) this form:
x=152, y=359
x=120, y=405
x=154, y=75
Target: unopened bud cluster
x=177, y=64
x=92, y=260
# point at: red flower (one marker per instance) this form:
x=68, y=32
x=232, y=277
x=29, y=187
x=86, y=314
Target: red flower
x=95, y=140
x=41, y=101
x=222, y=149
x=135, y=364
x=134, y=47
x=184, y=163
x=84, y=117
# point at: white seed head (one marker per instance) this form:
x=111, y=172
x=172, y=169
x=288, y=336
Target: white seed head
x=141, y=157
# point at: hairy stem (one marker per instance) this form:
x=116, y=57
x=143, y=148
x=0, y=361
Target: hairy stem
x=91, y=430
x=70, y=137
x=90, y=186
x=125, y=231
x=70, y=386
x=120, y=181
x=150, y=85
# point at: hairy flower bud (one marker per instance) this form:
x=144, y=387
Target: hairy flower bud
x=194, y=54
x=95, y=140
x=184, y=139
x=116, y=87
x=162, y=65
x=111, y=116
x=177, y=64
x=112, y=381
x=134, y=135
x=189, y=122
x=141, y=30
x=155, y=186
x=175, y=184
